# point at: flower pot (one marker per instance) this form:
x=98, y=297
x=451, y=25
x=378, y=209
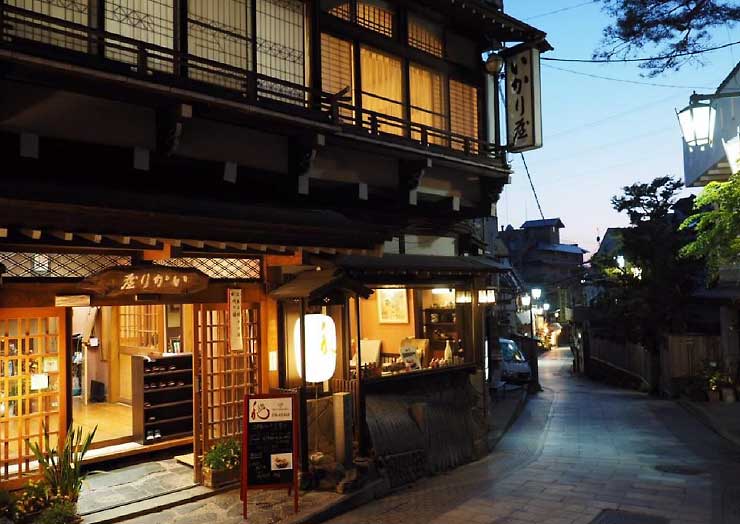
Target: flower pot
x=728, y=394
x=215, y=478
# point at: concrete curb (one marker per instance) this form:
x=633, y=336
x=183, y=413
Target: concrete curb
x=708, y=421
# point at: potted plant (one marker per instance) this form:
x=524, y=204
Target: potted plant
x=221, y=463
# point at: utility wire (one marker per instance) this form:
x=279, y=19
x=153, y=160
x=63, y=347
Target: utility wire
x=536, y=198
x=641, y=59
x=652, y=84
x=562, y=9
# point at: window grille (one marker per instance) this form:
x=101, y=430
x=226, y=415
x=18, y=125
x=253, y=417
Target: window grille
x=220, y=268
x=425, y=35
x=463, y=113
x=280, y=49
x=74, y=11
x=376, y=15
x=139, y=326
x=337, y=71
x=219, y=32
x=60, y=265
x=339, y=8
x=148, y=21
x=428, y=104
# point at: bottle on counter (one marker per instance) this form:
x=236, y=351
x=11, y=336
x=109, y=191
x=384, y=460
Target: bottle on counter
x=448, y=352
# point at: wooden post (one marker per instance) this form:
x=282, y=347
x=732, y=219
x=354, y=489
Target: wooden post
x=304, y=403
x=362, y=442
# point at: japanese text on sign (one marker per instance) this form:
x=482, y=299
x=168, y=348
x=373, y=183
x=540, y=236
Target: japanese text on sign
x=235, y=320
x=523, y=111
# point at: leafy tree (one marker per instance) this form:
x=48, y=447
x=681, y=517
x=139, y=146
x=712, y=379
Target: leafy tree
x=716, y=225
x=677, y=31
x=647, y=296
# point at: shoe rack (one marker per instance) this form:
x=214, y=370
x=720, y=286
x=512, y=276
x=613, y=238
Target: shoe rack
x=162, y=392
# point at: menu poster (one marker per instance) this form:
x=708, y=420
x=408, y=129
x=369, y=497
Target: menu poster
x=270, y=443
x=235, y=320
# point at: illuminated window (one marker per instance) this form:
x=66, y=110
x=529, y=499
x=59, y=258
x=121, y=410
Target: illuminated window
x=376, y=15
x=140, y=326
x=425, y=35
x=337, y=69
x=382, y=89
x=428, y=104
x=463, y=113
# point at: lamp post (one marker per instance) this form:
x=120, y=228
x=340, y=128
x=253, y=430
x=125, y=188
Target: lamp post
x=532, y=357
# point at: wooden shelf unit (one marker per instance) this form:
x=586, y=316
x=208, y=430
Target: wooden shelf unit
x=440, y=325
x=167, y=408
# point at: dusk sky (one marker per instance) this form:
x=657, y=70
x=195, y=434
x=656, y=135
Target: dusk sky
x=600, y=135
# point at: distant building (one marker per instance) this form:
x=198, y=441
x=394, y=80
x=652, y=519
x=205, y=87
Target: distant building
x=543, y=261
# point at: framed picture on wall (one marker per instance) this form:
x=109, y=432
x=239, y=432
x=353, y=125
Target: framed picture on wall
x=393, y=306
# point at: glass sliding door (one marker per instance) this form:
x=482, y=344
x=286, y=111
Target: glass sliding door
x=219, y=31
x=428, y=104
x=382, y=89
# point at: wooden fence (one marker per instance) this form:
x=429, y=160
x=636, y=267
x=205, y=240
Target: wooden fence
x=632, y=359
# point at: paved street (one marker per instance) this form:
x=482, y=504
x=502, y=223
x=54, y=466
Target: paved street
x=580, y=448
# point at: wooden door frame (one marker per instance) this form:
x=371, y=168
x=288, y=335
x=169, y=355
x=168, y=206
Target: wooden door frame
x=64, y=392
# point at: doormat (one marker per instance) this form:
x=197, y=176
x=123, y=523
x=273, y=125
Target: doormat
x=188, y=459
x=613, y=516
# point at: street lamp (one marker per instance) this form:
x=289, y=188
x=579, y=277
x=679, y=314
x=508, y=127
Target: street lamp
x=528, y=301
x=697, y=119
x=546, y=306
x=621, y=262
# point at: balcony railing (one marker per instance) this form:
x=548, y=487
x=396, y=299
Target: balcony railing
x=50, y=37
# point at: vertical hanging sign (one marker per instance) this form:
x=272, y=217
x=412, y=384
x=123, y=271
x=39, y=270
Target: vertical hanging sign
x=235, y=319
x=523, y=102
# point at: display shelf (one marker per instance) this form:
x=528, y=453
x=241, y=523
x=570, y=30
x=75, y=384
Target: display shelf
x=176, y=399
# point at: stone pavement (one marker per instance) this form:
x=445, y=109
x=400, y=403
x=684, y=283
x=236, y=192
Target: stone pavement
x=106, y=489
x=721, y=417
x=577, y=449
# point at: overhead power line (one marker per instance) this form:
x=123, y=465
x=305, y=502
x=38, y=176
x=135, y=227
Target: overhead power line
x=641, y=59
x=623, y=80
x=561, y=10
x=536, y=198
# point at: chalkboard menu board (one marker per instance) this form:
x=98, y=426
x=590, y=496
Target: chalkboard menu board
x=270, y=440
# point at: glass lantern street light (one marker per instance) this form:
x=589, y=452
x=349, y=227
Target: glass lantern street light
x=526, y=300
x=536, y=293
x=698, y=118
x=546, y=306
x=697, y=123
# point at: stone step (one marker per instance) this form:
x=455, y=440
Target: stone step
x=154, y=504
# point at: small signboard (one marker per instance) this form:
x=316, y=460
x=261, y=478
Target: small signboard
x=270, y=444
x=235, y=319
x=143, y=280
x=523, y=102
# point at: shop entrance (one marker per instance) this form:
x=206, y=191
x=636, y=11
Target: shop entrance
x=32, y=386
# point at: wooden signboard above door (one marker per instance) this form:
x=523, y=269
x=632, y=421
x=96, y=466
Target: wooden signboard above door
x=145, y=280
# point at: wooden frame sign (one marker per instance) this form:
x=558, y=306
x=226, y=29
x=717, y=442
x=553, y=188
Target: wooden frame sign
x=270, y=445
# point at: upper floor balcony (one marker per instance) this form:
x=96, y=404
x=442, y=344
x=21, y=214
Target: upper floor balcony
x=407, y=74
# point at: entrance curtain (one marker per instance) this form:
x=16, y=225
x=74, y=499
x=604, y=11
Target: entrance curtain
x=382, y=87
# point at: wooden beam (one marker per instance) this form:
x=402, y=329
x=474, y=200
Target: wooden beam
x=94, y=238
x=125, y=240
x=3, y=232
x=62, y=235
x=149, y=241
x=34, y=234
x=216, y=245
x=194, y=243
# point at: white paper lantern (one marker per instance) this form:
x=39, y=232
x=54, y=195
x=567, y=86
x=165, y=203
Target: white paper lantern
x=321, y=347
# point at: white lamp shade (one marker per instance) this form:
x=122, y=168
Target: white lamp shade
x=526, y=300
x=697, y=124
x=321, y=347
x=536, y=293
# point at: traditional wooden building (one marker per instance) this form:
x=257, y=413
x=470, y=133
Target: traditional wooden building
x=148, y=142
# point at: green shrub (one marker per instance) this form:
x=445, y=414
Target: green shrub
x=224, y=455
x=62, y=472
x=59, y=513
